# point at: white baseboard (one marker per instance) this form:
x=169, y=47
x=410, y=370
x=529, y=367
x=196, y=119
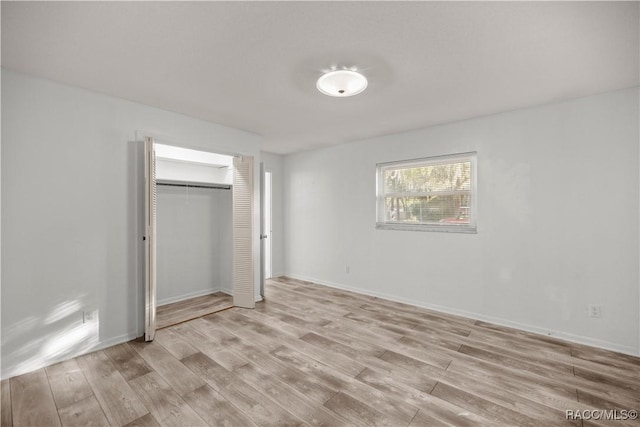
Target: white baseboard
x=195, y=294
x=115, y=341
x=15, y=371
x=579, y=339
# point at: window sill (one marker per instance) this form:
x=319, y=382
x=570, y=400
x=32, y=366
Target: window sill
x=465, y=229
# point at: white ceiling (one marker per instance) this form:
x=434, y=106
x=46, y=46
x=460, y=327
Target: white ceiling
x=253, y=65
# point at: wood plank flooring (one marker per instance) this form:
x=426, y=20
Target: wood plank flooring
x=312, y=355
x=192, y=308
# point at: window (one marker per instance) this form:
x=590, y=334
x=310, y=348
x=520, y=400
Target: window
x=430, y=194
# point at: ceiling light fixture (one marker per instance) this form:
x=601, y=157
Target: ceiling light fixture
x=341, y=83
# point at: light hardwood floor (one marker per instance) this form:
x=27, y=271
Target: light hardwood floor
x=312, y=355
x=192, y=308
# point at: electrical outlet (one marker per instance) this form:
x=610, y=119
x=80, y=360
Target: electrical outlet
x=594, y=310
x=347, y=269
x=88, y=316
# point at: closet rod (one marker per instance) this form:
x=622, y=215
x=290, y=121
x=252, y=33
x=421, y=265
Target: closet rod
x=212, y=186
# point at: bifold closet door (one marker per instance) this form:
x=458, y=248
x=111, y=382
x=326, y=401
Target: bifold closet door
x=150, y=199
x=243, y=292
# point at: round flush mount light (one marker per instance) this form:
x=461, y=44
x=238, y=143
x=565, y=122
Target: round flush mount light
x=341, y=83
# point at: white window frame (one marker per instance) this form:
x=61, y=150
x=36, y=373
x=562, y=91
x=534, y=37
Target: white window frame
x=428, y=161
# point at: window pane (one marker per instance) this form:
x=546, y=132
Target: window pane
x=446, y=209
x=443, y=177
x=429, y=194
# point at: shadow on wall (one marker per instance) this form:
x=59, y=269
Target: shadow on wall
x=70, y=324
x=64, y=332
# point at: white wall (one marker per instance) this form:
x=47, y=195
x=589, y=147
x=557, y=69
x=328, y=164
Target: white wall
x=557, y=222
x=172, y=170
x=194, y=233
x=273, y=163
x=71, y=215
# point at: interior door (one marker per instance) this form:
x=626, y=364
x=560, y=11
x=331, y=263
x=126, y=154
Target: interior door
x=150, y=197
x=268, y=226
x=243, y=290
x=263, y=230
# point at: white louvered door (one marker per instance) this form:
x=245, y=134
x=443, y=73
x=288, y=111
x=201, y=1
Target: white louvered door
x=243, y=292
x=150, y=198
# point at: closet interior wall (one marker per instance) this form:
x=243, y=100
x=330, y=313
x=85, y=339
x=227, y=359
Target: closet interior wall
x=194, y=230
x=194, y=242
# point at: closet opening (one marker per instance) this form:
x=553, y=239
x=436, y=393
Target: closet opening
x=198, y=234
x=194, y=227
